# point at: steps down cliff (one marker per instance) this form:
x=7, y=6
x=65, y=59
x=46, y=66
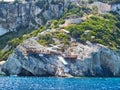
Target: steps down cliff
x=93, y=60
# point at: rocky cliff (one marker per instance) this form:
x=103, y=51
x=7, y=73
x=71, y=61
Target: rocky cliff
x=35, y=13
x=29, y=14
x=30, y=58
x=105, y=7
x=1, y=63
x=92, y=60
x=116, y=8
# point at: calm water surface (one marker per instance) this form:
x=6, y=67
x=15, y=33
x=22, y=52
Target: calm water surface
x=40, y=83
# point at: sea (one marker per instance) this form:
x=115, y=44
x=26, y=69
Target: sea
x=54, y=83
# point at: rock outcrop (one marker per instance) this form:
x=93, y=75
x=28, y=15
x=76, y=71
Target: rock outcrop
x=21, y=63
x=1, y=63
x=2, y=31
x=116, y=8
x=29, y=14
x=105, y=7
x=92, y=60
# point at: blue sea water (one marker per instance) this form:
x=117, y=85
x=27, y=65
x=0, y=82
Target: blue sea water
x=44, y=83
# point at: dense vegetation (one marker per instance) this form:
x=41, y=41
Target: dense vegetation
x=103, y=29
x=45, y=39
x=73, y=9
x=48, y=38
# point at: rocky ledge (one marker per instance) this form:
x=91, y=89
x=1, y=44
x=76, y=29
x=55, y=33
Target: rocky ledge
x=28, y=59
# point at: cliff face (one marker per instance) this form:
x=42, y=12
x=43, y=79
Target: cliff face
x=92, y=60
x=116, y=8
x=29, y=14
x=34, y=13
x=105, y=7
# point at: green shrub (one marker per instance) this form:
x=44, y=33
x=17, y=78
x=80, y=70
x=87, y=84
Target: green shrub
x=104, y=28
x=45, y=39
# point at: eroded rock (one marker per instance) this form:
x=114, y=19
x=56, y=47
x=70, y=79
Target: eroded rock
x=92, y=60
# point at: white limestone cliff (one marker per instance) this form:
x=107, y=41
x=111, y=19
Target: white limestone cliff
x=92, y=60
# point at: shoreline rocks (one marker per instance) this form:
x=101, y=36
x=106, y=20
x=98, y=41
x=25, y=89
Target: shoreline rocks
x=1, y=63
x=94, y=60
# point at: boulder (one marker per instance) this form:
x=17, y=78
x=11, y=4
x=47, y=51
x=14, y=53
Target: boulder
x=1, y=63
x=21, y=63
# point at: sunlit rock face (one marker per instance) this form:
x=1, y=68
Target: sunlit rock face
x=116, y=7
x=32, y=14
x=32, y=63
x=105, y=7
x=3, y=31
x=92, y=60
x=29, y=14
x=102, y=7
x=1, y=63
